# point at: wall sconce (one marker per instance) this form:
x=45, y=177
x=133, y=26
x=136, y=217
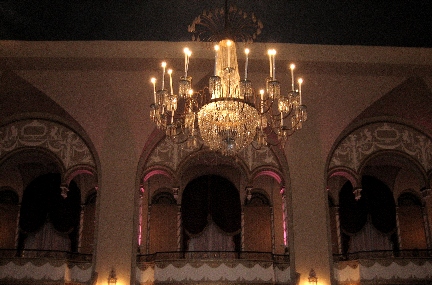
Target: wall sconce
x=313, y=279
x=112, y=278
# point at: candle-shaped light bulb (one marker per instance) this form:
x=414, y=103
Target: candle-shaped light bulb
x=163, y=74
x=170, y=78
x=153, y=81
x=274, y=64
x=216, y=48
x=187, y=53
x=300, y=81
x=229, y=52
x=269, y=52
x=292, y=66
x=262, y=100
x=246, y=63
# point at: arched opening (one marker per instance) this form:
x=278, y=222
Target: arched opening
x=369, y=223
x=163, y=221
x=257, y=215
x=211, y=215
x=49, y=216
x=411, y=223
x=9, y=209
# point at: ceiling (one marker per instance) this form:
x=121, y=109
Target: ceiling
x=384, y=23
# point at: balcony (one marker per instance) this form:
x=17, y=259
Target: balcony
x=384, y=267
x=213, y=266
x=33, y=266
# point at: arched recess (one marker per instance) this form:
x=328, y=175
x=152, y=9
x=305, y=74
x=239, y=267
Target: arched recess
x=277, y=215
x=211, y=215
x=9, y=210
x=49, y=217
x=369, y=223
x=390, y=151
x=181, y=165
x=411, y=221
x=153, y=231
x=258, y=227
x=33, y=148
x=163, y=211
x=53, y=137
x=354, y=149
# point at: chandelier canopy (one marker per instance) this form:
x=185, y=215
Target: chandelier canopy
x=228, y=115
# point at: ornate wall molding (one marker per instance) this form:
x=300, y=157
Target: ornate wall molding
x=409, y=271
x=66, y=144
x=171, y=155
x=367, y=140
x=36, y=272
x=243, y=272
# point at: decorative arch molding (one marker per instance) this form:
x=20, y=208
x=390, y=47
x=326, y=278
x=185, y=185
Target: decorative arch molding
x=154, y=172
x=347, y=173
x=55, y=138
x=352, y=151
x=172, y=156
x=77, y=170
x=271, y=173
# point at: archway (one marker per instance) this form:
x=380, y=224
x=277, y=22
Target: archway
x=211, y=215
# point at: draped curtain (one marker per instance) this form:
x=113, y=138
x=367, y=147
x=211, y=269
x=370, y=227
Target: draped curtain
x=369, y=223
x=211, y=214
x=49, y=221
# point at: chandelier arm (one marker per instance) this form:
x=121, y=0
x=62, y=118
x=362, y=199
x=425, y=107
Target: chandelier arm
x=254, y=143
x=269, y=107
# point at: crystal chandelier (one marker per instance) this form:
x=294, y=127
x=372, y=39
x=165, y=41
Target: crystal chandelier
x=228, y=115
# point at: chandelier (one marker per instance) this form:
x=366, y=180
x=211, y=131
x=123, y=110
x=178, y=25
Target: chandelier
x=229, y=114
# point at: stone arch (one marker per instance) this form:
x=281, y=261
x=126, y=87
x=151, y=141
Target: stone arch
x=364, y=143
x=379, y=144
x=352, y=150
x=163, y=196
x=396, y=157
x=54, y=147
x=182, y=165
x=258, y=197
x=65, y=144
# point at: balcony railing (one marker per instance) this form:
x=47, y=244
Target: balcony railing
x=384, y=267
x=385, y=254
x=47, y=254
x=44, y=267
x=213, y=255
x=219, y=267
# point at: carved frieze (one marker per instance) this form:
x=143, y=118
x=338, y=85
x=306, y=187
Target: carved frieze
x=58, y=139
x=170, y=155
x=213, y=271
x=384, y=271
x=363, y=142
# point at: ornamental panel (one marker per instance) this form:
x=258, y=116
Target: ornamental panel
x=58, y=139
x=357, y=146
x=170, y=155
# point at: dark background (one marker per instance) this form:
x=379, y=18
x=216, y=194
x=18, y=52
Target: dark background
x=382, y=23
